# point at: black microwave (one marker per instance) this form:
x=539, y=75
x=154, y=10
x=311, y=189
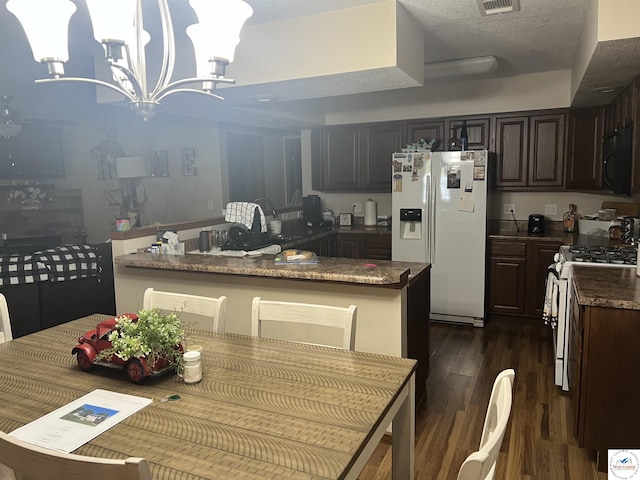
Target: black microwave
x=617, y=159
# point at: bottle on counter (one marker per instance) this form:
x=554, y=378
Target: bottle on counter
x=569, y=222
x=464, y=137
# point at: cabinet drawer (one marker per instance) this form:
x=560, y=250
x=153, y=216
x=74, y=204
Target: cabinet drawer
x=509, y=249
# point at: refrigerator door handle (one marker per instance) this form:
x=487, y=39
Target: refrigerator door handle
x=431, y=222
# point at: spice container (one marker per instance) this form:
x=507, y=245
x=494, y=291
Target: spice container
x=192, y=366
x=569, y=219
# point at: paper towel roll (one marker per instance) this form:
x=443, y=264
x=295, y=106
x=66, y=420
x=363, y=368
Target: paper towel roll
x=370, y=212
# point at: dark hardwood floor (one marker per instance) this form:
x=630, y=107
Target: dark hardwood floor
x=538, y=444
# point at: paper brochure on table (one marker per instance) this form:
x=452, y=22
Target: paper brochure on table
x=71, y=426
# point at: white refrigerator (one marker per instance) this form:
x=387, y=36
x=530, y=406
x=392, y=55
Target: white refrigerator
x=439, y=211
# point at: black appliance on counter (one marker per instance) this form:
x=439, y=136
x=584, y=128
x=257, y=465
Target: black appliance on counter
x=617, y=160
x=243, y=238
x=312, y=210
x=536, y=224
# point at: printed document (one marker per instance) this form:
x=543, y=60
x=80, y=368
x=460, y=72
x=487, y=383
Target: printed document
x=75, y=424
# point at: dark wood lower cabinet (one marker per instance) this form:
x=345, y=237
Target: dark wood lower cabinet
x=517, y=271
x=373, y=246
x=349, y=245
x=605, y=378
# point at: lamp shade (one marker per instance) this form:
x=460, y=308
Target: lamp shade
x=130, y=167
x=218, y=32
x=46, y=24
x=112, y=19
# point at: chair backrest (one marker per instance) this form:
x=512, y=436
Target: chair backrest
x=481, y=465
x=32, y=462
x=215, y=309
x=5, y=324
x=324, y=316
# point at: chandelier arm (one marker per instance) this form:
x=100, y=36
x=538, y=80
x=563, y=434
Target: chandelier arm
x=168, y=55
x=188, y=90
x=178, y=83
x=141, y=63
x=131, y=76
x=88, y=80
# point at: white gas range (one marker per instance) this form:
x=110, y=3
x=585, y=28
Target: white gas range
x=559, y=292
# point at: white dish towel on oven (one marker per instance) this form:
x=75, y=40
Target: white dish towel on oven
x=550, y=308
x=243, y=212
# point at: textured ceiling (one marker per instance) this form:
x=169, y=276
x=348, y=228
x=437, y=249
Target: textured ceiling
x=542, y=36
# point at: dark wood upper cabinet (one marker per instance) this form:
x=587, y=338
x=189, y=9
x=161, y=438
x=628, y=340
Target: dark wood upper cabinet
x=377, y=145
x=341, y=159
x=584, y=148
x=317, y=163
x=530, y=151
x=356, y=158
x=512, y=151
x=428, y=130
x=546, y=150
x=478, y=130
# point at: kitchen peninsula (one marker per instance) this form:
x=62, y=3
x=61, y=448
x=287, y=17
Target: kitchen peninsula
x=392, y=297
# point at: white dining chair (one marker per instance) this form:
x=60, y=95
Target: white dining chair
x=213, y=309
x=24, y=460
x=337, y=320
x=5, y=324
x=481, y=465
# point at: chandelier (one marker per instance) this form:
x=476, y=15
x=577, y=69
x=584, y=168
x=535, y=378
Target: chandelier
x=118, y=26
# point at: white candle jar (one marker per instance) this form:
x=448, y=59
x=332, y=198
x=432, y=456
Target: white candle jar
x=192, y=367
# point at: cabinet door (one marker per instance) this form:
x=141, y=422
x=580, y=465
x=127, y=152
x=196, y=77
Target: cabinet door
x=328, y=247
x=574, y=368
x=584, y=149
x=378, y=143
x=377, y=247
x=428, y=131
x=546, y=150
x=317, y=160
x=341, y=159
x=477, y=129
x=507, y=278
x=635, y=155
x=312, y=246
x=511, y=151
x=349, y=246
x=539, y=257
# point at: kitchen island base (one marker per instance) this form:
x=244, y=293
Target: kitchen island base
x=391, y=319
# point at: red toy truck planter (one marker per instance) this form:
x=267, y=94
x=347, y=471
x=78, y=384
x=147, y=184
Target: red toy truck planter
x=94, y=341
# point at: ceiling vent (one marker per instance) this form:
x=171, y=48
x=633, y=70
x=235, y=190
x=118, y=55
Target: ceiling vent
x=491, y=7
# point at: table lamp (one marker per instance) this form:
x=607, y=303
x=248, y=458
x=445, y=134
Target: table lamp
x=131, y=170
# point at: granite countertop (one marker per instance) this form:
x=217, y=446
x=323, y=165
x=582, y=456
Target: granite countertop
x=383, y=273
x=611, y=287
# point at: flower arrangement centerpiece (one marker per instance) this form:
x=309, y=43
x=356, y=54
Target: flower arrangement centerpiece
x=154, y=336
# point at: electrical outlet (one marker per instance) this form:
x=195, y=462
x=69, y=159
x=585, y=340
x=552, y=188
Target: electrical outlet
x=210, y=204
x=508, y=208
x=357, y=208
x=551, y=209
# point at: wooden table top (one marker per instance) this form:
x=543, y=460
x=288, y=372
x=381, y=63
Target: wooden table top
x=264, y=409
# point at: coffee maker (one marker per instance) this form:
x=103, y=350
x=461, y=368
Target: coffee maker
x=536, y=224
x=312, y=210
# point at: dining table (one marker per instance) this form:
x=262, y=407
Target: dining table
x=264, y=409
